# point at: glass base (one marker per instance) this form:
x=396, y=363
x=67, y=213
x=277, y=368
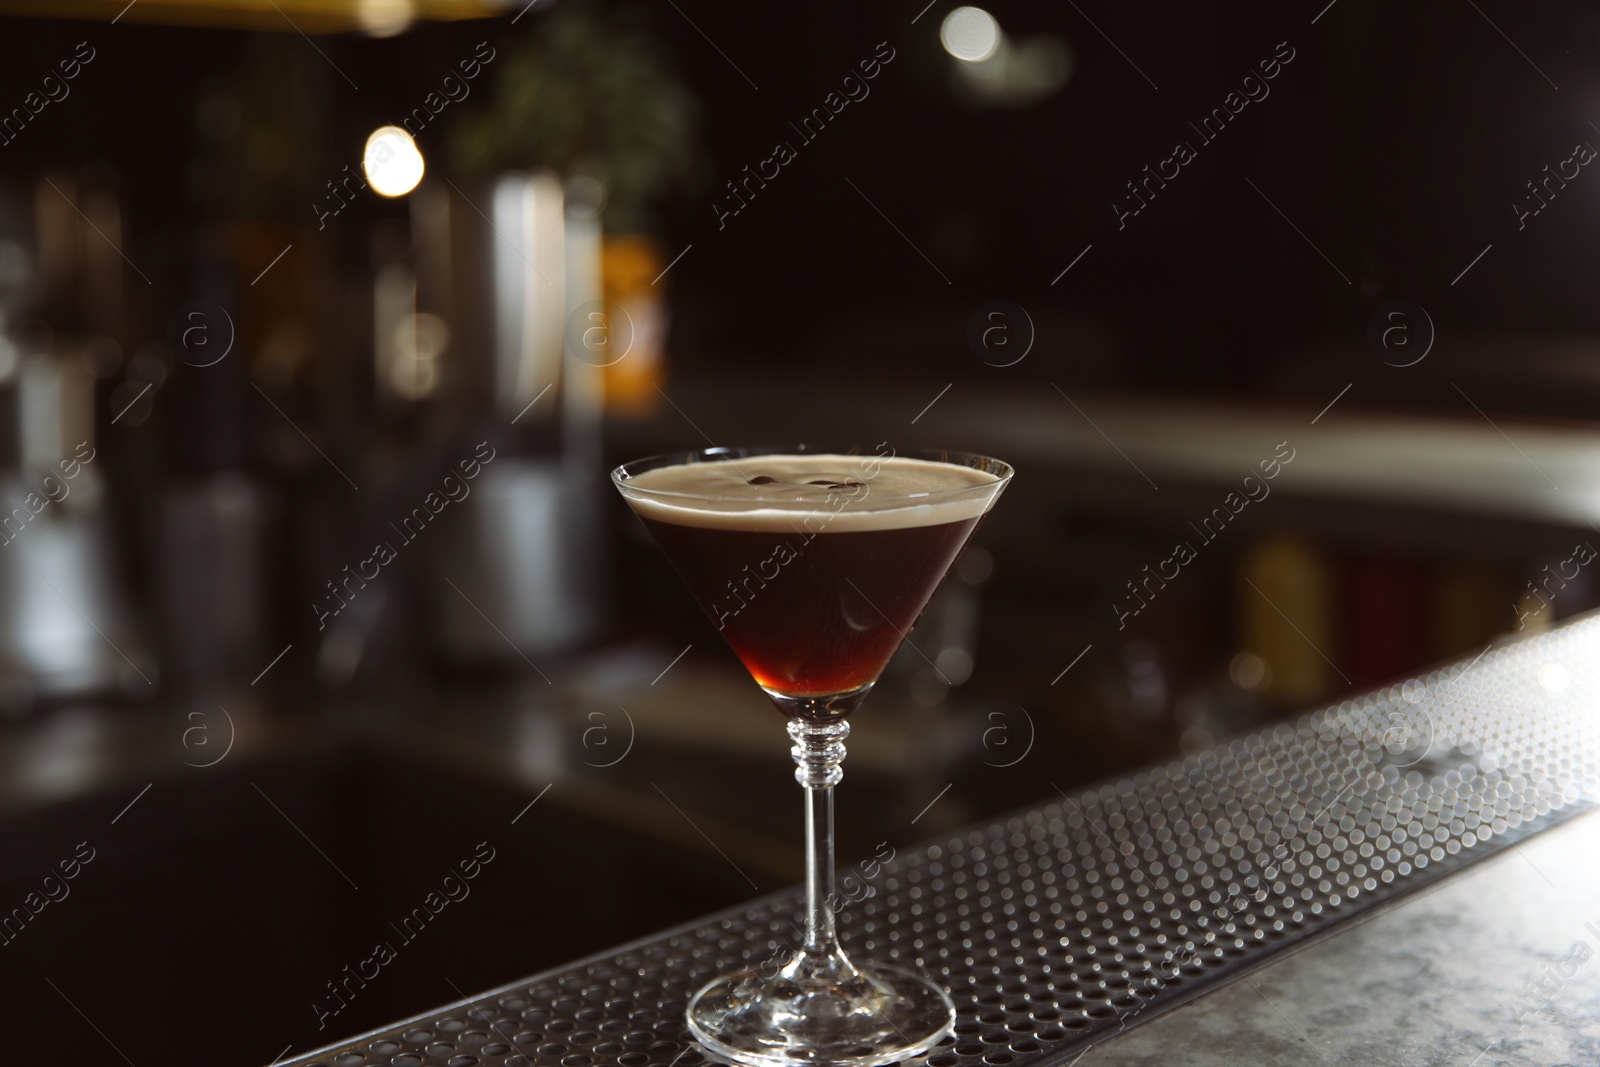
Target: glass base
x=846, y=1017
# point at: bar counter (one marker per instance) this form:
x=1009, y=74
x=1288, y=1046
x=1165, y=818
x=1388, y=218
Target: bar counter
x=1405, y=878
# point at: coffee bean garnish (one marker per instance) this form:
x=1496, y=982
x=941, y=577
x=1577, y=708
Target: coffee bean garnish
x=762, y=479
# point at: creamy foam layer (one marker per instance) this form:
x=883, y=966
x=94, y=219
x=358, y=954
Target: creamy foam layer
x=859, y=493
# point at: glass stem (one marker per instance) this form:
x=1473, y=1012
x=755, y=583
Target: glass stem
x=818, y=750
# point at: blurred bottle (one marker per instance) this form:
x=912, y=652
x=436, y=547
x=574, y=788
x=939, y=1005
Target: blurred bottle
x=631, y=269
x=1287, y=617
x=67, y=628
x=1386, y=619
x=1471, y=604
x=519, y=568
x=216, y=521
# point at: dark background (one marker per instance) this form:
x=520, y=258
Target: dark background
x=1397, y=141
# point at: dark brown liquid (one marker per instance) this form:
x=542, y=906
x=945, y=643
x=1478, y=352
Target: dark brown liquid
x=814, y=614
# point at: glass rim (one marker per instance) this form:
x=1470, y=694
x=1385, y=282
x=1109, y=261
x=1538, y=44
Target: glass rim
x=622, y=474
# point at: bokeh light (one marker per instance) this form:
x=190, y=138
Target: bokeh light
x=392, y=162
x=970, y=33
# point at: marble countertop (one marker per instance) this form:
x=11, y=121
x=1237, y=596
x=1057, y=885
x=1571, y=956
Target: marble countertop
x=1498, y=966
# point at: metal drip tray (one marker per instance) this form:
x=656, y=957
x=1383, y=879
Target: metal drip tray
x=1059, y=926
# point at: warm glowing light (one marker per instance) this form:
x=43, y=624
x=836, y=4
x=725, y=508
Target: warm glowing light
x=392, y=162
x=970, y=33
x=384, y=18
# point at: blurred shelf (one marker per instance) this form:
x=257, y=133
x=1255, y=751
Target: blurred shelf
x=1466, y=463
x=1471, y=464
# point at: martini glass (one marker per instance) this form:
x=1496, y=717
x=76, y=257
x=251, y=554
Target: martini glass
x=814, y=564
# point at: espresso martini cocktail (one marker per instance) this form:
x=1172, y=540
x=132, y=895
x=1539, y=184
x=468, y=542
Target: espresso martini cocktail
x=814, y=565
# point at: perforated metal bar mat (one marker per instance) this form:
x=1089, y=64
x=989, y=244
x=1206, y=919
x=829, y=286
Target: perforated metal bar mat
x=1060, y=926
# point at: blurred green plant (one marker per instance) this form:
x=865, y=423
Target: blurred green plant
x=589, y=92
x=262, y=151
